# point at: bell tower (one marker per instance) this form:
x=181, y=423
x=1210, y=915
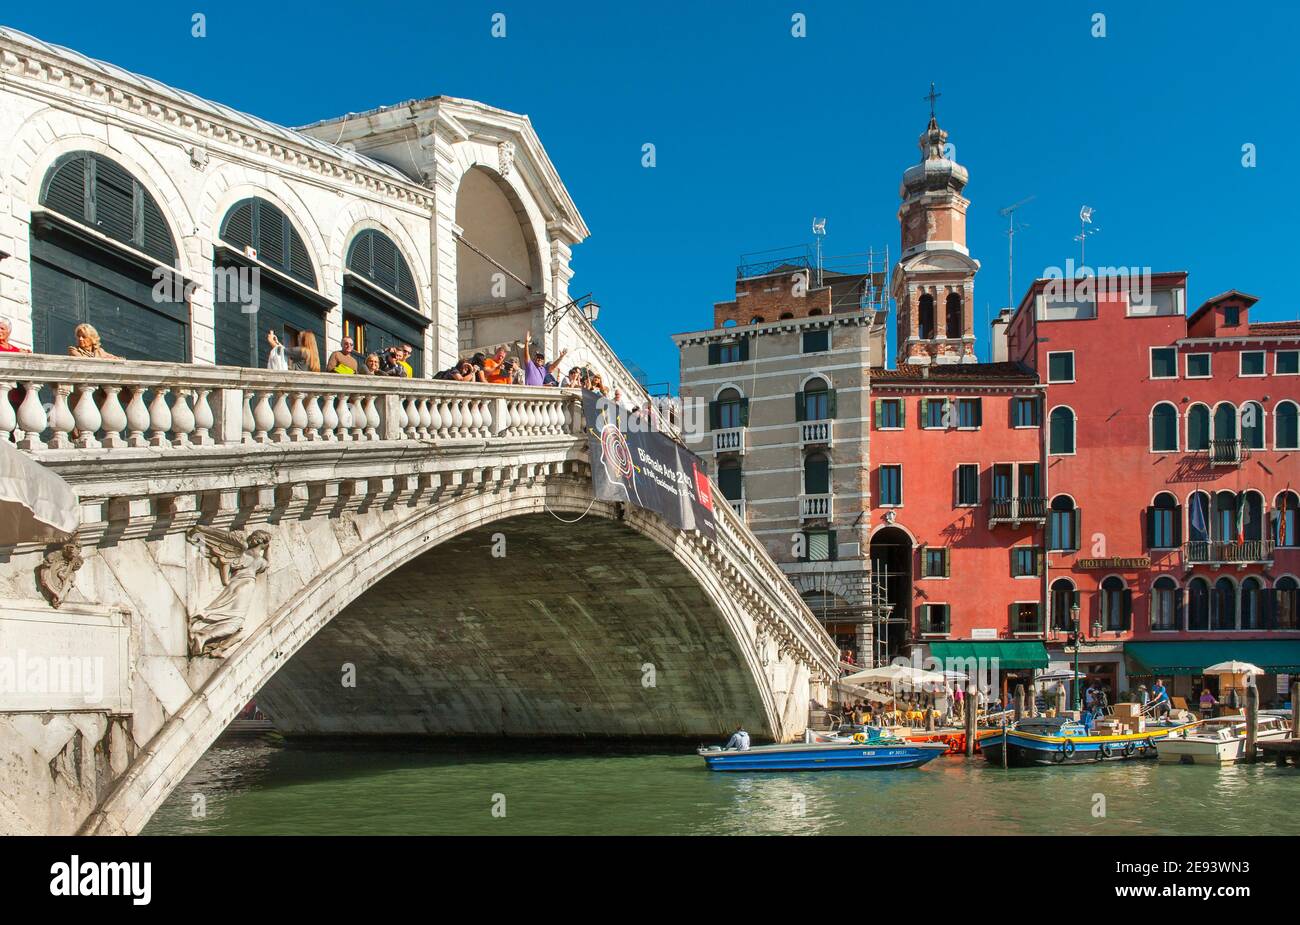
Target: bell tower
x=934, y=281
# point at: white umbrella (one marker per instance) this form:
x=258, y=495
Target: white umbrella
x=1233, y=667
x=36, y=505
x=1060, y=674
x=896, y=674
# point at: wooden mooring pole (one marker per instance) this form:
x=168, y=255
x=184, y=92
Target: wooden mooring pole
x=1295, y=709
x=971, y=702
x=1020, y=702
x=1252, y=719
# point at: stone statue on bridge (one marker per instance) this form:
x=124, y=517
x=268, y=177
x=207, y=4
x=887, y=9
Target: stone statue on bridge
x=239, y=560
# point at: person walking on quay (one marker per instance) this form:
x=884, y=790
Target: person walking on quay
x=739, y=740
x=344, y=360
x=1159, y=696
x=88, y=345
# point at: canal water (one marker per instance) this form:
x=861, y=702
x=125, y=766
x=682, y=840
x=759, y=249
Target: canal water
x=262, y=787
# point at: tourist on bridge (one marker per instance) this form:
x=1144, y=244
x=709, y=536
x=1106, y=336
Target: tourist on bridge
x=302, y=355
x=372, y=364
x=536, y=370
x=739, y=739
x=5, y=346
x=88, y=344
x=344, y=360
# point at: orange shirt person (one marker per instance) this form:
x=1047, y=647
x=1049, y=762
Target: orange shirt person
x=494, y=367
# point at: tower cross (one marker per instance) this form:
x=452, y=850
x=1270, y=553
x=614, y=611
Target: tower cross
x=932, y=96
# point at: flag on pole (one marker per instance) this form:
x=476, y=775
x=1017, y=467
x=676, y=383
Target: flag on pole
x=1241, y=518
x=1283, y=538
x=1197, y=517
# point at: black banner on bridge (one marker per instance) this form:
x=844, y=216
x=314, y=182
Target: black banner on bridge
x=633, y=463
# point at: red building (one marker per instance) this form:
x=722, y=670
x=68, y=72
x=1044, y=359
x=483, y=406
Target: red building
x=1172, y=474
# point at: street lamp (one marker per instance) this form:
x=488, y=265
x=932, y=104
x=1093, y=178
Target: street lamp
x=1074, y=630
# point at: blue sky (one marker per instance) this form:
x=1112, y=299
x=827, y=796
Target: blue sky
x=757, y=131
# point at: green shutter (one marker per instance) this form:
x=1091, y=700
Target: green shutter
x=925, y=412
x=879, y=405
x=830, y=403
x=834, y=546
x=1040, y=561
x=715, y=415
x=947, y=562
x=66, y=192
x=1127, y=614
x=1078, y=528
x=799, y=406
x=744, y=412
x=744, y=348
x=925, y=562
x=902, y=412
x=715, y=354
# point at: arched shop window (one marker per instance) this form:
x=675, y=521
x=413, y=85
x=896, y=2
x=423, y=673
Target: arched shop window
x=381, y=306
x=255, y=234
x=96, y=245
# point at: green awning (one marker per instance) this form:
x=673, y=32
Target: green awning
x=1020, y=654
x=1191, y=657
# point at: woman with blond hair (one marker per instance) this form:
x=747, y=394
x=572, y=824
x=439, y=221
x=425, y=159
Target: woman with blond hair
x=88, y=344
x=302, y=355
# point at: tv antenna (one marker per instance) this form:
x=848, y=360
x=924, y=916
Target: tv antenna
x=819, y=232
x=1085, y=232
x=1009, y=213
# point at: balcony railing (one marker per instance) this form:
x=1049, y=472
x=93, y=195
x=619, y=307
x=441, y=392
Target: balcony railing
x=1227, y=452
x=1017, y=510
x=1202, y=552
x=738, y=505
x=816, y=433
x=1026, y=625
x=816, y=507
x=730, y=440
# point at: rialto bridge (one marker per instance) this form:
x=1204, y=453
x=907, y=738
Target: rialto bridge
x=364, y=556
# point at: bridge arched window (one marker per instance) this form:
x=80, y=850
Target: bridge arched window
x=1164, y=428
x=1166, y=604
x=256, y=234
x=1286, y=426
x=817, y=474
x=954, y=317
x=381, y=306
x=816, y=402
x=1286, y=519
x=95, y=248
x=925, y=317
x=1251, y=594
x=1198, y=427
x=730, y=481
x=1116, y=605
x=1223, y=605
x=1063, y=524
x=1060, y=433
x=1252, y=425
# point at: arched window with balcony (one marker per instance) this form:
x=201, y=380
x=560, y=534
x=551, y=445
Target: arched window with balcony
x=1286, y=519
x=1166, y=604
x=1251, y=593
x=1225, y=421
x=1225, y=517
x=1252, y=526
x=817, y=474
x=1285, y=601
x=1164, y=428
x=1060, y=438
x=1198, y=604
x=816, y=402
x=1199, y=517
x=1286, y=426
x=925, y=317
x=1198, y=428
x=729, y=410
x=1116, y=605
x=1223, y=605
x=98, y=247
x=1252, y=425
x=954, y=317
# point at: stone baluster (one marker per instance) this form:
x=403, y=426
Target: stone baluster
x=263, y=418
x=329, y=419
x=112, y=417
x=426, y=418
x=137, y=418
x=61, y=420
x=443, y=408
x=411, y=418
x=182, y=418
x=160, y=418
x=87, y=417
x=372, y=418
x=486, y=411
x=315, y=419
x=249, y=426
x=476, y=417
x=297, y=418
x=345, y=418
x=203, y=418
x=358, y=418
x=8, y=418
x=32, y=419
x=283, y=418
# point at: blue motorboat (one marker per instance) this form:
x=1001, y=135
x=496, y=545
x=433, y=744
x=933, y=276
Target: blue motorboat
x=861, y=751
